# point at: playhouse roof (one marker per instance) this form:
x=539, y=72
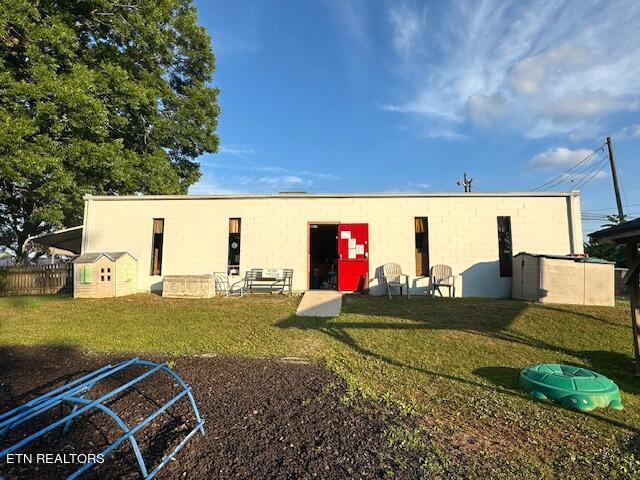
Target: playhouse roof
x=93, y=257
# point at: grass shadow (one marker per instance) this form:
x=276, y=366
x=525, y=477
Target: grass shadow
x=491, y=318
x=487, y=318
x=567, y=311
x=23, y=302
x=503, y=377
x=337, y=331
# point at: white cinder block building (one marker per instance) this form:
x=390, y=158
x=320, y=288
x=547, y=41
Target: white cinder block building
x=336, y=240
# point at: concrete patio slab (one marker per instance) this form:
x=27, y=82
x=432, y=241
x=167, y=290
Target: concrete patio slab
x=320, y=303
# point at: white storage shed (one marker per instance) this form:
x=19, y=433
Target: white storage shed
x=572, y=280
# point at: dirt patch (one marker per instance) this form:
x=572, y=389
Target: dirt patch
x=264, y=419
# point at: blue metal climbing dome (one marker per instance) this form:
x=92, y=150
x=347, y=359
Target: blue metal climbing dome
x=73, y=393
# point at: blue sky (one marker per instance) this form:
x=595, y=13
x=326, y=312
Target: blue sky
x=361, y=96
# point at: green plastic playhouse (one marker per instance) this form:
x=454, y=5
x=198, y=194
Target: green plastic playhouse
x=573, y=387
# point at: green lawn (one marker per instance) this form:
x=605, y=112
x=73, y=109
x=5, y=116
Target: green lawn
x=453, y=364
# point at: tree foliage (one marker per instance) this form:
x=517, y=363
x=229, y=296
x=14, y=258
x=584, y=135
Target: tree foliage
x=606, y=250
x=101, y=97
x=613, y=220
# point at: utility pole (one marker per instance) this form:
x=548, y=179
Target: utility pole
x=614, y=174
x=466, y=183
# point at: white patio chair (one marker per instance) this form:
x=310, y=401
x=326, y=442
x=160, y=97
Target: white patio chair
x=442, y=276
x=393, y=277
x=223, y=285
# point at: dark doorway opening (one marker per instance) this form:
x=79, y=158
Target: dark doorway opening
x=323, y=256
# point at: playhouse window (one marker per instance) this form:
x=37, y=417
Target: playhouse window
x=86, y=274
x=505, y=246
x=233, y=259
x=156, y=251
x=422, y=246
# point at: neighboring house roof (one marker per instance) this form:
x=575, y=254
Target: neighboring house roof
x=620, y=233
x=332, y=195
x=93, y=257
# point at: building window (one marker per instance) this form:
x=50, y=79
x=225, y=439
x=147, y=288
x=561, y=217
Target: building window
x=505, y=246
x=422, y=246
x=156, y=251
x=233, y=259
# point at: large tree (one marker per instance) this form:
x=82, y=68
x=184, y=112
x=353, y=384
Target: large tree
x=101, y=97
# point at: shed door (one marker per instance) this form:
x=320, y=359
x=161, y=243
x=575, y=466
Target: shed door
x=353, y=256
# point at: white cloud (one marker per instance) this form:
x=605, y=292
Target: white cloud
x=210, y=186
x=558, y=157
x=245, y=167
x=284, y=181
x=224, y=185
x=442, y=133
x=350, y=15
x=247, y=177
x=326, y=176
x=236, y=31
x=630, y=131
x=352, y=18
x=539, y=68
x=408, y=27
x=249, y=166
x=236, y=169
x=484, y=109
x=236, y=150
x=410, y=187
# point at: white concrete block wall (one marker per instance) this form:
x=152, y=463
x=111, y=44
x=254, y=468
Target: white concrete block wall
x=462, y=232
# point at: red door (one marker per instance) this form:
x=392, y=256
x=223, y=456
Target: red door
x=353, y=256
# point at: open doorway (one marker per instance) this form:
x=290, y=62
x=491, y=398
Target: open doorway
x=323, y=256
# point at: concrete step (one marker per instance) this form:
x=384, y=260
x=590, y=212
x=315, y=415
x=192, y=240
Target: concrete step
x=320, y=303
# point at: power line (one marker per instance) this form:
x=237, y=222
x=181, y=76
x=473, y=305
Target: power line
x=607, y=188
x=580, y=170
x=567, y=173
x=570, y=172
x=595, y=170
x=606, y=216
x=594, y=215
x=587, y=172
x=610, y=208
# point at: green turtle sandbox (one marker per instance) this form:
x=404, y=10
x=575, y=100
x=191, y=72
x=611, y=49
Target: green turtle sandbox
x=573, y=387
